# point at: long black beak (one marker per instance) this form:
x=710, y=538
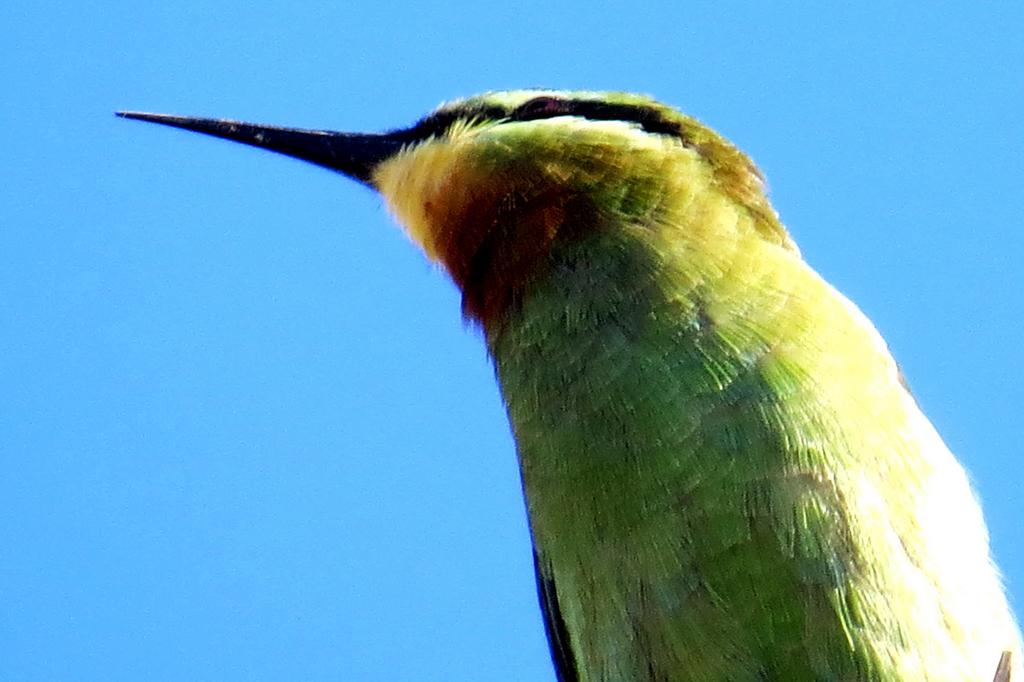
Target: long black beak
x=354, y=154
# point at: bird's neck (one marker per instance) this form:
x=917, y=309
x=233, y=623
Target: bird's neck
x=608, y=336
x=500, y=221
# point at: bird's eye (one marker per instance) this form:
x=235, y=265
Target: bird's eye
x=541, y=106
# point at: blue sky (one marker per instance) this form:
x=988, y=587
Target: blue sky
x=244, y=434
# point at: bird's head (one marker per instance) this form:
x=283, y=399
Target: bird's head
x=489, y=186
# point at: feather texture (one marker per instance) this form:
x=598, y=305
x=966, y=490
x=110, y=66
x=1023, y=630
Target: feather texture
x=726, y=477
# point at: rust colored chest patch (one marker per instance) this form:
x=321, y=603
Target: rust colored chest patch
x=497, y=244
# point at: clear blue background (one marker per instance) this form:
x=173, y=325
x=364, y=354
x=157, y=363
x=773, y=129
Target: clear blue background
x=244, y=433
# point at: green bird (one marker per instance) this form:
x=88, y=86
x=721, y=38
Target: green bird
x=726, y=476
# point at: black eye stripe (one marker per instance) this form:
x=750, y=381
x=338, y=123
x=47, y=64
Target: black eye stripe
x=650, y=119
x=437, y=124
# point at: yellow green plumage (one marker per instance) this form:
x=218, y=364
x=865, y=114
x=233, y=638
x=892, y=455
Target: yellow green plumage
x=725, y=475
